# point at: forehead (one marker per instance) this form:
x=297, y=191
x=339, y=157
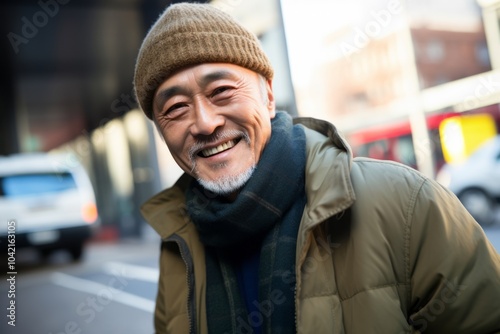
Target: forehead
x=208, y=72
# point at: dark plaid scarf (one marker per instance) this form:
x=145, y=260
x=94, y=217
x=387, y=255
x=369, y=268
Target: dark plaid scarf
x=266, y=213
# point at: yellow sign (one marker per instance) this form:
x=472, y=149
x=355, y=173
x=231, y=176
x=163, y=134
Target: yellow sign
x=462, y=135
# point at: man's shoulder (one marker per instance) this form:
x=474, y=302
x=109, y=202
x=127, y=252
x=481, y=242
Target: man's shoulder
x=386, y=184
x=388, y=168
x=321, y=133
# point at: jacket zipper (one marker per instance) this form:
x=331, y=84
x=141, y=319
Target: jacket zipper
x=339, y=210
x=188, y=261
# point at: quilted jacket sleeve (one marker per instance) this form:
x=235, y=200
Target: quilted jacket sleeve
x=454, y=271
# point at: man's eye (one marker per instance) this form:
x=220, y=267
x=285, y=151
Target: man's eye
x=174, y=107
x=220, y=90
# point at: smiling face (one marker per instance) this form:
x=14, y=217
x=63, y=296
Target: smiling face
x=216, y=121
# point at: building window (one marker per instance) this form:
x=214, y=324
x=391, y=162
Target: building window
x=435, y=51
x=482, y=54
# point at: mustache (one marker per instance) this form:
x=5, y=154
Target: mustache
x=220, y=135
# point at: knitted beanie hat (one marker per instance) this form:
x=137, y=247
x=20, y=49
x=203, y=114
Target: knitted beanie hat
x=188, y=34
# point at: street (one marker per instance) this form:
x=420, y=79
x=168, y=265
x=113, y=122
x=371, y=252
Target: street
x=111, y=291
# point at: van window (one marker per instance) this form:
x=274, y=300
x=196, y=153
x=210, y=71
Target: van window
x=35, y=184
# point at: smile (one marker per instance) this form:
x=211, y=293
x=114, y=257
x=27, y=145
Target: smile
x=208, y=152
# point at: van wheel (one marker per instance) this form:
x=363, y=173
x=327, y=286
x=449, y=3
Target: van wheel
x=76, y=252
x=479, y=205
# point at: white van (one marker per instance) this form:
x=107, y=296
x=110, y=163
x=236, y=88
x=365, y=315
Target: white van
x=476, y=181
x=46, y=202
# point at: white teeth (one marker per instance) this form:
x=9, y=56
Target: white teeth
x=222, y=147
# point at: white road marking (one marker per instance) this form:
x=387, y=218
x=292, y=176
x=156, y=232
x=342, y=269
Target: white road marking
x=98, y=289
x=132, y=271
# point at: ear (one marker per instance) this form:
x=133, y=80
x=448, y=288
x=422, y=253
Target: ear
x=271, y=104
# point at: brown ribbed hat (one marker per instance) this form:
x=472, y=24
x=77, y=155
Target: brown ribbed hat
x=188, y=34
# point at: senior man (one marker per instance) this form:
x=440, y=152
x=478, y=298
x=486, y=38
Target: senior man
x=274, y=227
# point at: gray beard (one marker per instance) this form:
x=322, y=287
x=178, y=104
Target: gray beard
x=227, y=184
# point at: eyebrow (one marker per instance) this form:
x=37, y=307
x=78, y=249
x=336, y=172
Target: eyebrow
x=216, y=75
x=165, y=94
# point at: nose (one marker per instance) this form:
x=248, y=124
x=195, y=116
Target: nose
x=206, y=119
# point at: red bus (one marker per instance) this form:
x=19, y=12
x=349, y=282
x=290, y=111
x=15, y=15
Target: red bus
x=394, y=141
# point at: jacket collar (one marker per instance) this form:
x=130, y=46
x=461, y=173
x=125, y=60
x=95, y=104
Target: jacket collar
x=166, y=211
x=328, y=181
x=328, y=184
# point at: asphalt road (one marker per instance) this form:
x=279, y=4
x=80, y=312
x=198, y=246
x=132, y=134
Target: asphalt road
x=112, y=290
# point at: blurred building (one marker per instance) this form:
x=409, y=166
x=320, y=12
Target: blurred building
x=370, y=79
x=448, y=55
x=367, y=79
x=387, y=73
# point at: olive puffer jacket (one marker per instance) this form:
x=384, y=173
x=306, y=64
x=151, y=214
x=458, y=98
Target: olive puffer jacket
x=381, y=249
